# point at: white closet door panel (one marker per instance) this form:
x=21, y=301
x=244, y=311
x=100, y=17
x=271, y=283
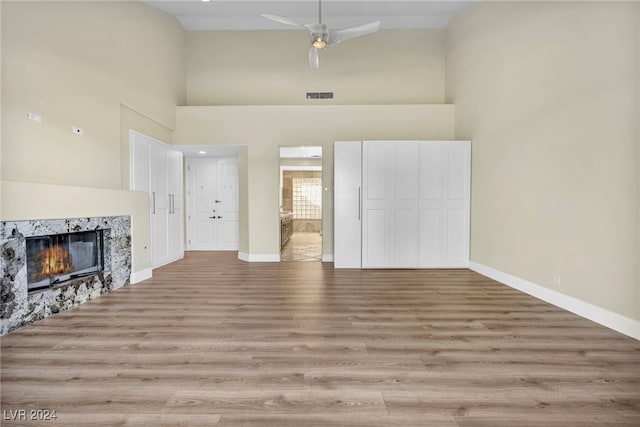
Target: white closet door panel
x=374, y=238
x=457, y=184
x=140, y=157
x=429, y=178
x=377, y=171
x=444, y=204
x=457, y=252
x=391, y=192
x=429, y=249
x=347, y=223
x=377, y=188
x=405, y=239
x=160, y=206
x=174, y=186
x=403, y=204
x=405, y=172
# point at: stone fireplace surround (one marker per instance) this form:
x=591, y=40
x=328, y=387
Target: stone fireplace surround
x=19, y=308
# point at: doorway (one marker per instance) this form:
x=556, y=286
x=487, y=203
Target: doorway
x=301, y=203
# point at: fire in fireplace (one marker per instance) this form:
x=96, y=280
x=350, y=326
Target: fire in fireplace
x=57, y=258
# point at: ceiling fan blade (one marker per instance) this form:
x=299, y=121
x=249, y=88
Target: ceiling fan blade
x=315, y=28
x=282, y=20
x=314, y=58
x=338, y=36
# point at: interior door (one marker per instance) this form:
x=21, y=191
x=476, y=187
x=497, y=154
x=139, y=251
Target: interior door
x=213, y=217
x=389, y=202
x=159, y=206
x=444, y=203
x=175, y=199
x=347, y=222
x=201, y=192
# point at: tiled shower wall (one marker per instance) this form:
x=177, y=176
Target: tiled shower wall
x=299, y=224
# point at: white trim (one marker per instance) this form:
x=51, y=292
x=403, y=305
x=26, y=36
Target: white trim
x=139, y=276
x=615, y=321
x=301, y=168
x=243, y=256
x=170, y=260
x=327, y=257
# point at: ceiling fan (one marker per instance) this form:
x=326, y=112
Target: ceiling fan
x=322, y=37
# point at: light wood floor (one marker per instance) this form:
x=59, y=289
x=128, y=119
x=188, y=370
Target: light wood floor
x=211, y=341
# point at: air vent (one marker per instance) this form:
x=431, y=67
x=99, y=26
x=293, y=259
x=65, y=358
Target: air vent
x=319, y=95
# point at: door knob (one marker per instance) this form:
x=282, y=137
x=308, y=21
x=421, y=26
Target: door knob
x=212, y=217
x=219, y=217
x=218, y=201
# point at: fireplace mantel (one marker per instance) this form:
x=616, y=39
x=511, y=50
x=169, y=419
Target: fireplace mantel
x=18, y=307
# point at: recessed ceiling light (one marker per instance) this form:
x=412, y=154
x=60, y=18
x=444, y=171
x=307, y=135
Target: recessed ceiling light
x=206, y=1
x=202, y=152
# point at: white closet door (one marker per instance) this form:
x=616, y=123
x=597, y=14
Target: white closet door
x=157, y=169
x=175, y=217
x=140, y=158
x=159, y=206
x=390, y=204
x=347, y=239
x=404, y=207
x=444, y=196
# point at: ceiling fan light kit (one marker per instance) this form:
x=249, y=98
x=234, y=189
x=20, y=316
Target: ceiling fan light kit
x=322, y=37
x=319, y=40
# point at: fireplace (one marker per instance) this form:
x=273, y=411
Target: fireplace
x=70, y=261
x=58, y=258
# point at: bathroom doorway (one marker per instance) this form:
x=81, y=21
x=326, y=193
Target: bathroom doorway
x=301, y=203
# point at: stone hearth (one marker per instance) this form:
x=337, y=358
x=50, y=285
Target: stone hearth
x=19, y=308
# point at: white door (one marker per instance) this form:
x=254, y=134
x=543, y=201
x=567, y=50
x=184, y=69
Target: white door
x=347, y=227
x=157, y=170
x=212, y=195
x=159, y=207
x=390, y=202
x=444, y=203
x=176, y=202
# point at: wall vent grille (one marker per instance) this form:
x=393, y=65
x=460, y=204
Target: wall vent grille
x=319, y=95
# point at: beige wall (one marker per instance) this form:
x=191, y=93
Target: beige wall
x=265, y=128
x=548, y=92
x=102, y=66
x=271, y=68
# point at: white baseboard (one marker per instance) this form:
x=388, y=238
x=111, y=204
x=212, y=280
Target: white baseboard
x=617, y=322
x=327, y=257
x=243, y=256
x=139, y=276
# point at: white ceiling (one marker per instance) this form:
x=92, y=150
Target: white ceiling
x=207, y=151
x=304, y=152
x=245, y=14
